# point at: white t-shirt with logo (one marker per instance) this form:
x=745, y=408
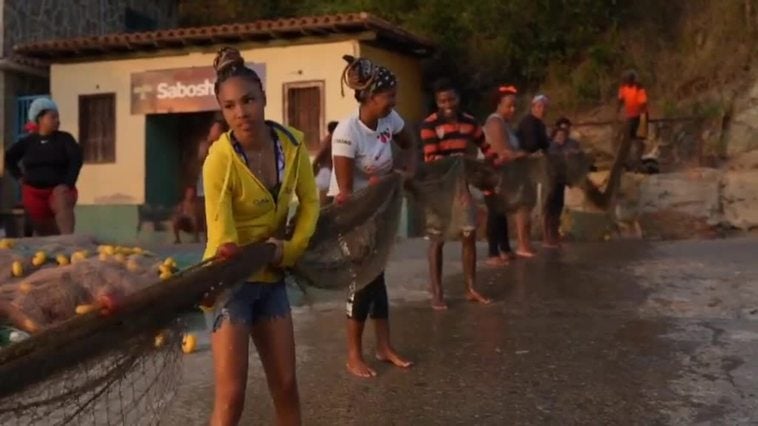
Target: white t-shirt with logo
x=370, y=149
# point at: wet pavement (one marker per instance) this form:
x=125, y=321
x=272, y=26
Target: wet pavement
x=611, y=333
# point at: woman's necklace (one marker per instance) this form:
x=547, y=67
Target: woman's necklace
x=257, y=164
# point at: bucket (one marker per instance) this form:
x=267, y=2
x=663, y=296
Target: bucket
x=15, y=223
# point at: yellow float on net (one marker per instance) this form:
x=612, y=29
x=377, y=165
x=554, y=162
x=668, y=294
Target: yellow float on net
x=107, y=249
x=79, y=256
x=189, y=343
x=39, y=258
x=17, y=269
x=62, y=260
x=85, y=309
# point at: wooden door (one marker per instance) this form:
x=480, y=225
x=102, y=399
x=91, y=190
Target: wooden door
x=304, y=110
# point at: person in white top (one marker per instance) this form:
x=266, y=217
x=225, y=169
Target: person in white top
x=369, y=149
x=362, y=152
x=322, y=164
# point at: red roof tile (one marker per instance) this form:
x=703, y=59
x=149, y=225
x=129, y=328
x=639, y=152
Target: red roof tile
x=265, y=30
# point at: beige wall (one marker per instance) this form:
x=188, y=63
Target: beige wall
x=410, y=102
x=123, y=182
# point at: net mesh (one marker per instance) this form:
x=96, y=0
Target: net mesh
x=119, y=365
x=440, y=188
x=129, y=385
x=353, y=240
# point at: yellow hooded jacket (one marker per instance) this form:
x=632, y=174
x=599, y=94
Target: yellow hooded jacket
x=240, y=209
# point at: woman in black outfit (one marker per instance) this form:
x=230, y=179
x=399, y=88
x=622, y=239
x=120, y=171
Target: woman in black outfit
x=47, y=164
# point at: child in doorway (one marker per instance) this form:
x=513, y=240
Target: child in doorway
x=188, y=216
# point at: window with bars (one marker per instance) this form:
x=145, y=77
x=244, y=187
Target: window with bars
x=97, y=127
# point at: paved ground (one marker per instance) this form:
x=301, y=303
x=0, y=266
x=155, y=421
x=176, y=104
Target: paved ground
x=614, y=333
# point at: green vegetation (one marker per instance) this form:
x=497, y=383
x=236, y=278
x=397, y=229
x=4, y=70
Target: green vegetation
x=575, y=49
x=482, y=43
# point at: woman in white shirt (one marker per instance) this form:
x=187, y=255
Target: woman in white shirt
x=362, y=152
x=322, y=164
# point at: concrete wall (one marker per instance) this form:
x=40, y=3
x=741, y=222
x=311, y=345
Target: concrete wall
x=410, y=101
x=12, y=85
x=123, y=181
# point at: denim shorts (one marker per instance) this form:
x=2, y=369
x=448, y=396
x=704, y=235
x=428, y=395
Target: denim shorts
x=252, y=302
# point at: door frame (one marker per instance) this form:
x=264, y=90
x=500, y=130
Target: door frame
x=321, y=85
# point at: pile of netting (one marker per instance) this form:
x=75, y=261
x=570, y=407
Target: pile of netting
x=104, y=330
x=44, y=281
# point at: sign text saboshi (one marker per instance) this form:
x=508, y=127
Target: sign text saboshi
x=177, y=90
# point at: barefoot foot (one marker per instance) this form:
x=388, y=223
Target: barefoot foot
x=509, y=255
x=392, y=357
x=495, y=261
x=474, y=296
x=439, y=305
x=358, y=367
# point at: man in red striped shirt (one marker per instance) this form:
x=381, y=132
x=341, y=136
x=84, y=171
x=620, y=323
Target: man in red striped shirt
x=448, y=132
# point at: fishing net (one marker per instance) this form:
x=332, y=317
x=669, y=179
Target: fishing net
x=441, y=189
x=118, y=363
x=130, y=385
x=352, y=242
x=603, y=198
x=569, y=169
x=517, y=183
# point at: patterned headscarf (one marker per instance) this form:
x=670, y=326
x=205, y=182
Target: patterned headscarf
x=365, y=77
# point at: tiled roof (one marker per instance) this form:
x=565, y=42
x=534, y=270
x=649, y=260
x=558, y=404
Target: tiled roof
x=28, y=61
x=266, y=30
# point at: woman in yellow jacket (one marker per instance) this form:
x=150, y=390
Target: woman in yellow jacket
x=250, y=176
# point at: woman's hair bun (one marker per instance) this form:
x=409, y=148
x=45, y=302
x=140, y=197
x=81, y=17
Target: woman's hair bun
x=226, y=59
x=359, y=72
x=349, y=59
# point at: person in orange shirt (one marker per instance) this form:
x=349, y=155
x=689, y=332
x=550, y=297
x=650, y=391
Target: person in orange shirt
x=633, y=98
